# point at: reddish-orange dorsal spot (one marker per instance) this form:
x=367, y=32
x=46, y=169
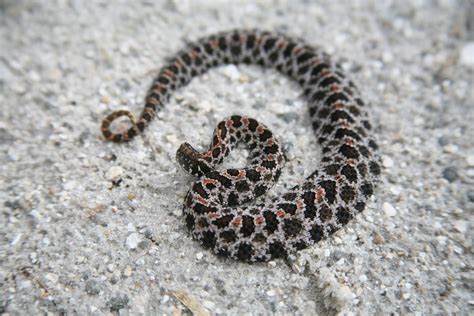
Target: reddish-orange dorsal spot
x=282, y=45
x=269, y=141
x=334, y=87
x=243, y=39
x=280, y=213
x=153, y=100
x=297, y=50
x=348, y=141
x=214, y=43
x=193, y=54
x=202, y=200
x=245, y=121
x=350, y=162
x=338, y=105
x=325, y=73
x=213, y=215
x=260, y=169
x=259, y=220
x=344, y=124
x=236, y=221
x=316, y=61
x=209, y=181
x=259, y=129
x=168, y=73
x=320, y=195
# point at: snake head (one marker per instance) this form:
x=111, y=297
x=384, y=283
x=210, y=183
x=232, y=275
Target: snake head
x=192, y=161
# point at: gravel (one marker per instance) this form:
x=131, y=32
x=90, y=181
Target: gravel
x=91, y=227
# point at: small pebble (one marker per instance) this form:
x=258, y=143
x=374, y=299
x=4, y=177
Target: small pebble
x=467, y=55
x=271, y=293
x=231, y=72
x=470, y=160
x=128, y=271
x=199, y=255
x=114, y=173
x=345, y=291
x=92, y=287
x=110, y=267
x=53, y=278
x=16, y=239
x=451, y=148
x=171, y=138
x=378, y=239
x=450, y=174
x=132, y=241
x=387, y=162
x=389, y=209
x=117, y=303
x=442, y=240
x=461, y=226
x=130, y=228
x=105, y=99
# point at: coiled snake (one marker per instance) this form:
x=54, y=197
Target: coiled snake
x=218, y=209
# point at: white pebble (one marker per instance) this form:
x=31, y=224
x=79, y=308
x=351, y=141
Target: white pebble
x=389, y=209
x=171, y=138
x=363, y=278
x=114, y=173
x=460, y=226
x=164, y=299
x=470, y=160
x=130, y=228
x=345, y=292
x=199, y=255
x=51, y=277
x=231, y=72
x=451, y=148
x=442, y=240
x=33, y=257
x=467, y=55
x=128, y=271
x=132, y=241
x=271, y=293
x=16, y=239
x=209, y=305
x=110, y=267
x=396, y=190
x=387, y=162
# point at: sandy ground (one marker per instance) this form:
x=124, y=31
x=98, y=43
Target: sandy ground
x=91, y=227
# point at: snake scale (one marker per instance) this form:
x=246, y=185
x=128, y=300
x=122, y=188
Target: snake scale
x=218, y=208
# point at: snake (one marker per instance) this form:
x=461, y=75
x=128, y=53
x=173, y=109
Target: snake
x=228, y=210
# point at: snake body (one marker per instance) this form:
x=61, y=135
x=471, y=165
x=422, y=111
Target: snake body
x=218, y=209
